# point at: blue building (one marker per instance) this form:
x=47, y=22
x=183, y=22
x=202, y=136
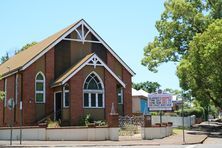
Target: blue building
x=139, y=101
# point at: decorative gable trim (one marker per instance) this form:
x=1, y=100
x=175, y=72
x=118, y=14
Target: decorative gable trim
x=63, y=37
x=94, y=60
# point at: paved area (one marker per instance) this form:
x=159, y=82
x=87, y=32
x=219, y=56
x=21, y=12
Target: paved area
x=175, y=139
x=213, y=140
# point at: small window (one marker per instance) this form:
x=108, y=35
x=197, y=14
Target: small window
x=100, y=100
x=86, y=99
x=93, y=100
x=66, y=96
x=40, y=88
x=120, y=95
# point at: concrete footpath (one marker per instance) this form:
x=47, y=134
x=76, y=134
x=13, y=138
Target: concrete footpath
x=175, y=139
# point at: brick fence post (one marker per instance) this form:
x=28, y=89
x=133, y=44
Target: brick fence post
x=113, y=123
x=113, y=119
x=147, y=121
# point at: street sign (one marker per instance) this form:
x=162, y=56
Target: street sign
x=160, y=102
x=10, y=103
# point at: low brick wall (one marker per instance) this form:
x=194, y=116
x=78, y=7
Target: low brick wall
x=177, y=121
x=67, y=133
x=156, y=132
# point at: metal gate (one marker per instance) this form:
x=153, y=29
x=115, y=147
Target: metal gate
x=130, y=125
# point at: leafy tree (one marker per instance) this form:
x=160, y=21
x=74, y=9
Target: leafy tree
x=179, y=23
x=4, y=58
x=146, y=86
x=173, y=91
x=201, y=70
x=26, y=47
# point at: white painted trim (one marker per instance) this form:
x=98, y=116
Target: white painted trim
x=78, y=40
x=93, y=64
x=111, y=72
x=55, y=102
x=64, y=96
x=107, y=46
x=94, y=91
x=10, y=74
x=82, y=33
x=121, y=94
x=78, y=34
x=51, y=46
x=41, y=81
x=84, y=64
x=74, y=72
x=67, y=33
x=86, y=34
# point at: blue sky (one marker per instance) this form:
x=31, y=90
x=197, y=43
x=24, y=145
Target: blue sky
x=127, y=26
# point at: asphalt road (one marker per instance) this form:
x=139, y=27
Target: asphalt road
x=210, y=142
x=165, y=146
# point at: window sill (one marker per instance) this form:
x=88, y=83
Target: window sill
x=39, y=102
x=94, y=107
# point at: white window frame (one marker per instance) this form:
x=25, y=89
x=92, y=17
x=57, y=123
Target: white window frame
x=64, y=96
x=40, y=92
x=96, y=92
x=120, y=94
x=5, y=90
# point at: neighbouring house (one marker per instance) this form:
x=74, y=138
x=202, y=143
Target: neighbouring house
x=139, y=101
x=177, y=102
x=67, y=75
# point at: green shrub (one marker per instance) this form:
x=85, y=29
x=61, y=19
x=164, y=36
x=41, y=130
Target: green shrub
x=53, y=124
x=100, y=123
x=86, y=119
x=198, y=112
x=155, y=113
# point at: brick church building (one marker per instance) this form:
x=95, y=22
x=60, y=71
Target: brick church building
x=65, y=76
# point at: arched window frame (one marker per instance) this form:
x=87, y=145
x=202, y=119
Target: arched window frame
x=64, y=95
x=92, y=91
x=37, y=91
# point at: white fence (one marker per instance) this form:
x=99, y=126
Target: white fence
x=35, y=133
x=177, y=121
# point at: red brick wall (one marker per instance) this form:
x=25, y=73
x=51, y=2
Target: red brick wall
x=110, y=93
x=110, y=61
x=126, y=78
x=28, y=107
x=76, y=95
x=1, y=103
x=127, y=92
x=9, y=114
x=49, y=74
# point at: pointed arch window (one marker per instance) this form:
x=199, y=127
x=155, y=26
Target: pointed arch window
x=93, y=92
x=40, y=88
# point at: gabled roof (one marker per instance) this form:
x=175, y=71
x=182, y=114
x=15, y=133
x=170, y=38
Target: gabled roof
x=20, y=60
x=139, y=93
x=25, y=58
x=92, y=60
